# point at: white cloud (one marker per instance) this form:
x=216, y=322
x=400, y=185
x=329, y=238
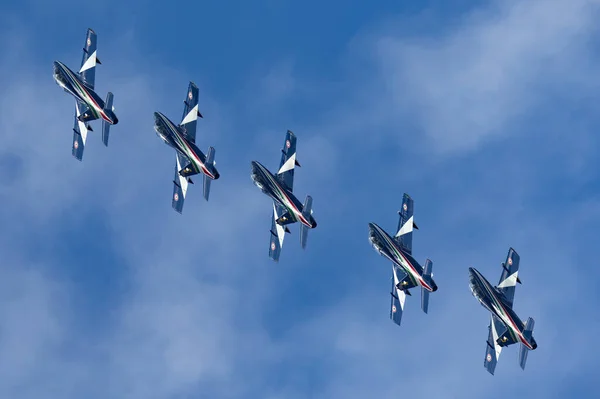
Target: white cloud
x=482, y=78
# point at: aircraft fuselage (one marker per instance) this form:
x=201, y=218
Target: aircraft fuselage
x=403, y=260
x=171, y=135
x=269, y=185
x=491, y=299
x=71, y=83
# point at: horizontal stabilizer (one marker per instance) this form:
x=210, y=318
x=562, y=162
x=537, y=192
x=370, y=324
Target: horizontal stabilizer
x=105, y=125
x=306, y=212
x=424, y=299
x=427, y=273
x=206, y=186
x=210, y=159
x=523, y=350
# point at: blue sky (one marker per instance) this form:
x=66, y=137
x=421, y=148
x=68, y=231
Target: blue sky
x=484, y=112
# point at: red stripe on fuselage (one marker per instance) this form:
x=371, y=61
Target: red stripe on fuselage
x=80, y=83
x=420, y=278
x=302, y=218
x=197, y=158
x=514, y=326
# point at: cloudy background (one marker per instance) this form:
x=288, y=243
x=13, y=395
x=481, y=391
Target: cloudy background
x=484, y=112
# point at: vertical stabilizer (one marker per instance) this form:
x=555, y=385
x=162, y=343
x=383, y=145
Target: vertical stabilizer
x=523, y=350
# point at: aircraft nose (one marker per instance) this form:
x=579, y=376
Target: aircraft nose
x=115, y=119
x=314, y=223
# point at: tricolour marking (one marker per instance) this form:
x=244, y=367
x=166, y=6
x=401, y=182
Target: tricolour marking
x=287, y=143
x=272, y=246
x=84, y=95
x=507, y=319
x=176, y=197
x=489, y=357
x=510, y=261
x=284, y=198
x=76, y=144
x=405, y=207
x=89, y=42
x=393, y=309
x=190, y=96
x=186, y=149
x=401, y=259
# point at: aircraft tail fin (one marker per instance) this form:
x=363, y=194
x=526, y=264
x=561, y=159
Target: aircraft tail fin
x=210, y=160
x=523, y=350
x=427, y=273
x=108, y=105
x=306, y=212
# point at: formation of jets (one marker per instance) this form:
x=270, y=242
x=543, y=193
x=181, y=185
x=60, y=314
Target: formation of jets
x=505, y=326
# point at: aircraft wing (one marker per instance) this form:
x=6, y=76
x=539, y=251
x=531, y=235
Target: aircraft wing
x=405, y=224
x=80, y=131
x=277, y=233
x=89, y=60
x=493, y=350
x=398, y=296
x=285, y=175
x=180, y=183
x=510, y=276
x=190, y=113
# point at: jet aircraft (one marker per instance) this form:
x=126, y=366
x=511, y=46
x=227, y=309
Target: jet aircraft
x=505, y=326
x=89, y=106
x=286, y=207
x=189, y=159
x=406, y=271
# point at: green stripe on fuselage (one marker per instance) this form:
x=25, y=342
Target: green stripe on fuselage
x=282, y=194
x=401, y=259
x=81, y=90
